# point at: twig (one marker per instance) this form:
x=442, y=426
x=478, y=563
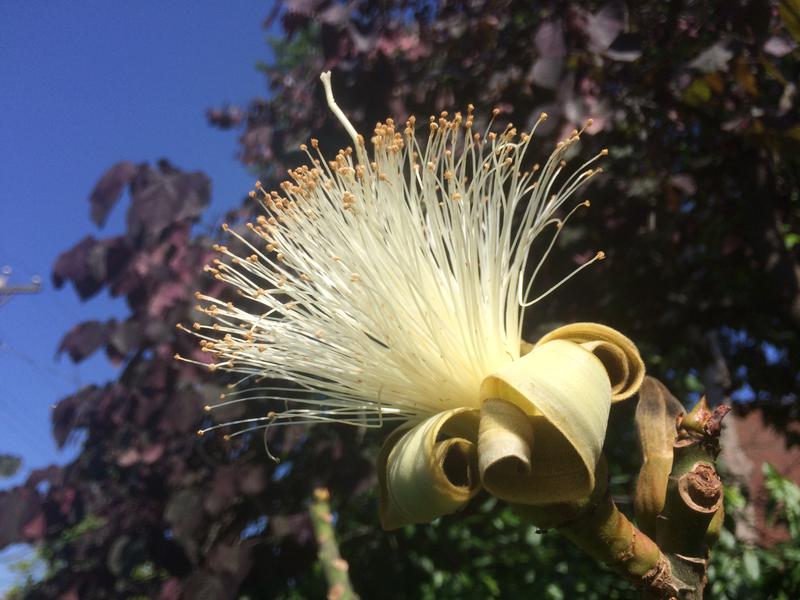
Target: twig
x=333, y=565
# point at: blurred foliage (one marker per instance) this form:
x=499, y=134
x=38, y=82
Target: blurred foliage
x=742, y=571
x=9, y=464
x=699, y=218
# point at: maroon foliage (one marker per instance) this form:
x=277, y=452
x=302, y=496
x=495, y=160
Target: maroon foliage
x=109, y=189
x=21, y=514
x=164, y=196
x=83, y=339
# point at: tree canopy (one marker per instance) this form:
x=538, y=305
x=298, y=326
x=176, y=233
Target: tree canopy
x=699, y=216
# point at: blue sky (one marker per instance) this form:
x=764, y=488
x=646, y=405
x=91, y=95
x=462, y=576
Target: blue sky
x=85, y=84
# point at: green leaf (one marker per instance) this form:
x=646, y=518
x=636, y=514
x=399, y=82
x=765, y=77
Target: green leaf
x=791, y=240
x=697, y=93
x=789, y=11
x=751, y=565
x=9, y=464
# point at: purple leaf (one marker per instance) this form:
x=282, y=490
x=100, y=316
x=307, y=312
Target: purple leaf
x=53, y=475
x=335, y=15
x=549, y=39
x=107, y=258
x=152, y=453
x=72, y=265
x=233, y=560
x=183, y=413
x=71, y=413
x=257, y=145
x=549, y=43
x=603, y=27
x=225, y=117
x=222, y=491
x=684, y=182
x=34, y=529
x=171, y=589
x=84, y=339
x=713, y=60
x=19, y=507
x=303, y=7
x=165, y=196
x=203, y=585
x=123, y=338
x=778, y=46
x=128, y=458
x=252, y=480
x=166, y=296
x=546, y=72
x=90, y=263
x=184, y=512
x=107, y=191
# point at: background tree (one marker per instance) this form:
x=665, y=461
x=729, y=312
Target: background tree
x=699, y=220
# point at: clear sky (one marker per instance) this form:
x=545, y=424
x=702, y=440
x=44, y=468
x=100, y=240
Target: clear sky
x=83, y=85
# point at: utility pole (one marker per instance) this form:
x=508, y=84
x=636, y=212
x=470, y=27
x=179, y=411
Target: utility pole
x=8, y=290
x=10, y=463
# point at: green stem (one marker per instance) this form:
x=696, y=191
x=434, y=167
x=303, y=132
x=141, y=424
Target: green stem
x=693, y=509
x=333, y=565
x=673, y=567
x=597, y=526
x=608, y=536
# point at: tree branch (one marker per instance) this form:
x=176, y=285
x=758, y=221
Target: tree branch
x=333, y=565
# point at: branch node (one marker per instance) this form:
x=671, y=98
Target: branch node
x=701, y=488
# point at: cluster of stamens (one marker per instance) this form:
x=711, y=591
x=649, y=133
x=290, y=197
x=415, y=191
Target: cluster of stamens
x=386, y=286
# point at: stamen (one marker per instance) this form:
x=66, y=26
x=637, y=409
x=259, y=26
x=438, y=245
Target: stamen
x=348, y=126
x=385, y=285
x=599, y=256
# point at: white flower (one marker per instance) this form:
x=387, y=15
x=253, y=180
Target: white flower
x=389, y=283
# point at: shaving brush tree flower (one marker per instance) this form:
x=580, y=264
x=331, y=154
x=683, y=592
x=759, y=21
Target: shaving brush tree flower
x=390, y=284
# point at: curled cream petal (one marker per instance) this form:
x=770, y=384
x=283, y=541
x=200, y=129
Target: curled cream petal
x=564, y=391
x=428, y=469
x=657, y=414
x=505, y=439
x=618, y=354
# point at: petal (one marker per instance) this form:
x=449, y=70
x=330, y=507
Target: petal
x=656, y=423
x=563, y=391
x=618, y=354
x=428, y=469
